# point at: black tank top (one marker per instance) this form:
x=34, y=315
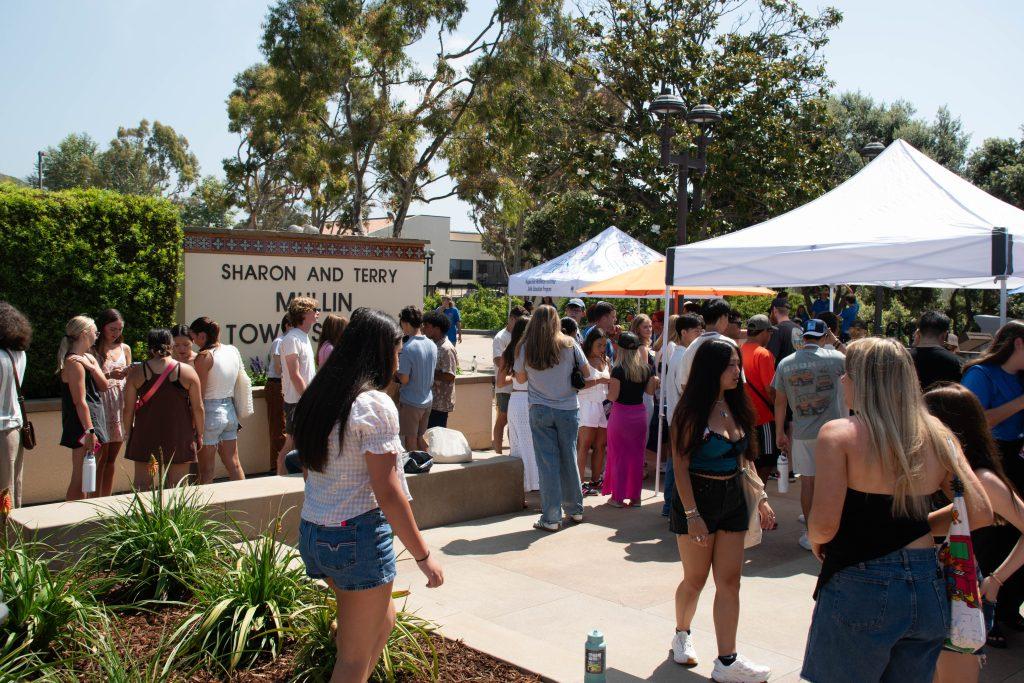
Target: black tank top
x=867, y=530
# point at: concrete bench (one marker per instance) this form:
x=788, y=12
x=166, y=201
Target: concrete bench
x=490, y=485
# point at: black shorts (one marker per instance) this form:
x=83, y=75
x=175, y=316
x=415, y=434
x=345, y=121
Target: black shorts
x=767, y=451
x=289, y=418
x=720, y=502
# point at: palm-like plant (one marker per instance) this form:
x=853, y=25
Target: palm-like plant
x=245, y=603
x=153, y=549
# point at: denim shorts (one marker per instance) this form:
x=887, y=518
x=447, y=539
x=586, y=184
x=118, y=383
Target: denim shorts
x=880, y=620
x=357, y=555
x=221, y=423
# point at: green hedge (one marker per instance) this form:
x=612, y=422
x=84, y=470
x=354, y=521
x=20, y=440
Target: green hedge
x=79, y=252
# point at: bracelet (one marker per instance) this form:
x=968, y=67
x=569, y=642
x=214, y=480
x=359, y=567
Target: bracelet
x=694, y=515
x=996, y=579
x=424, y=558
x=691, y=511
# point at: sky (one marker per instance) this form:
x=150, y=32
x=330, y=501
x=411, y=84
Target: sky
x=73, y=66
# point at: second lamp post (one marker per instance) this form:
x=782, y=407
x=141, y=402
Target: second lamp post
x=704, y=116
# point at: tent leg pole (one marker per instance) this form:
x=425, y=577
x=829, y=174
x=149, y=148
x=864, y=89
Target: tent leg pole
x=661, y=407
x=1002, y=301
x=831, y=298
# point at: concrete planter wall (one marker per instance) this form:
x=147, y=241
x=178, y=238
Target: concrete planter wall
x=48, y=465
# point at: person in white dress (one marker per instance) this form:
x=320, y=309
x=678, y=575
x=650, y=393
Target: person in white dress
x=519, y=435
x=593, y=434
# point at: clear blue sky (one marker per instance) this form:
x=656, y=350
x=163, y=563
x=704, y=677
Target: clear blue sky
x=73, y=66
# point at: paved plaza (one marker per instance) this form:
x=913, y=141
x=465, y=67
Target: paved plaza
x=530, y=597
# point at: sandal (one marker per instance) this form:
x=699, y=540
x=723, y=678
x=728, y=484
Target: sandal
x=996, y=638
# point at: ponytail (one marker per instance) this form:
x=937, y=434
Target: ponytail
x=72, y=331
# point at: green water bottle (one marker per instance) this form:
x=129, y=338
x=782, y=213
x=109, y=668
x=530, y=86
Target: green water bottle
x=595, y=663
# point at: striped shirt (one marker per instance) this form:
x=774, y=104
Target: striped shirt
x=342, y=491
x=10, y=413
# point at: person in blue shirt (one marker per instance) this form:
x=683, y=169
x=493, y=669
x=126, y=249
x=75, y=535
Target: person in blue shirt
x=848, y=314
x=995, y=378
x=454, y=319
x=416, y=364
x=821, y=304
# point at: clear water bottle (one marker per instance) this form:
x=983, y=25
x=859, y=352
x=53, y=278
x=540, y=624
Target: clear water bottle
x=596, y=662
x=89, y=472
x=472, y=365
x=783, y=473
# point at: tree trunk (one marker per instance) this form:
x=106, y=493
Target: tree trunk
x=879, y=305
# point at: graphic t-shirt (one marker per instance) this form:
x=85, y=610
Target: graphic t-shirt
x=810, y=380
x=447, y=362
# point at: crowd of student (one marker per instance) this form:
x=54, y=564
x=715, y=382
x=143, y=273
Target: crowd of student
x=876, y=432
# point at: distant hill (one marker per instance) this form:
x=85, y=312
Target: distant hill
x=11, y=179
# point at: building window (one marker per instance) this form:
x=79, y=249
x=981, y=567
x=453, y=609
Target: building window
x=491, y=274
x=460, y=269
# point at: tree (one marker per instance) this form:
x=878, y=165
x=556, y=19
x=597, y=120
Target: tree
x=149, y=161
x=997, y=167
x=209, y=205
x=72, y=163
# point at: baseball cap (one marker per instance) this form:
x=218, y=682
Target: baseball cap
x=815, y=328
x=576, y=302
x=759, y=323
x=628, y=341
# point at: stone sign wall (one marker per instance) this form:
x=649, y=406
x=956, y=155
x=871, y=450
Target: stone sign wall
x=245, y=279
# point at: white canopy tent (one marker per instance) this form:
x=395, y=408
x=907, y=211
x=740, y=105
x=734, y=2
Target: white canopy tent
x=608, y=254
x=902, y=221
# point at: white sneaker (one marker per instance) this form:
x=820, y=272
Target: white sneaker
x=740, y=671
x=802, y=519
x=804, y=542
x=683, y=651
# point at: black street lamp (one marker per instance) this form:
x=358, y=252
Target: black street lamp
x=430, y=266
x=704, y=116
x=871, y=150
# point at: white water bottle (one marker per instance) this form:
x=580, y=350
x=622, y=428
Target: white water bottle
x=89, y=473
x=783, y=473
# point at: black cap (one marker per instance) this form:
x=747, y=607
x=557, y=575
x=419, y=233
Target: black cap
x=629, y=341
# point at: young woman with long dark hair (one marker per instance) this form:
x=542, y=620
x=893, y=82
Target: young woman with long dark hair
x=346, y=430
x=712, y=441
x=545, y=361
x=82, y=381
x=999, y=547
x=181, y=348
x=217, y=366
x=593, y=434
x=115, y=357
x=881, y=597
x=520, y=438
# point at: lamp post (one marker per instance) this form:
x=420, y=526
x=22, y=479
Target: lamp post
x=430, y=266
x=704, y=116
x=39, y=167
x=868, y=152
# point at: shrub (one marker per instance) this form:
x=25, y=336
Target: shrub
x=485, y=309
x=245, y=602
x=80, y=251
x=45, y=605
x=106, y=655
x=153, y=549
x=408, y=653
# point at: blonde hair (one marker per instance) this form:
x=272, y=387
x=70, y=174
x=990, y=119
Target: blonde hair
x=299, y=307
x=633, y=364
x=639, y=320
x=669, y=334
x=543, y=340
x=887, y=400
x=72, y=331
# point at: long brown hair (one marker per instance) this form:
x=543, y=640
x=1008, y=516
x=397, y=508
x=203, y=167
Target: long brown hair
x=960, y=410
x=701, y=393
x=330, y=331
x=106, y=317
x=543, y=339
x=1002, y=345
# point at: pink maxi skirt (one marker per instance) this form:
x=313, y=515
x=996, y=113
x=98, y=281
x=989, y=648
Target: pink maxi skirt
x=624, y=468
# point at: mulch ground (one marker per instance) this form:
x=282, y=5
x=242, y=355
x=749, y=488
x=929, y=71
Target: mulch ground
x=142, y=632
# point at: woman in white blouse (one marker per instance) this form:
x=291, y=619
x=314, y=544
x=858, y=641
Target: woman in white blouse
x=355, y=489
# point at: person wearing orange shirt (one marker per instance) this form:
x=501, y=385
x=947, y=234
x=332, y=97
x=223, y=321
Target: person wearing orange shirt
x=759, y=369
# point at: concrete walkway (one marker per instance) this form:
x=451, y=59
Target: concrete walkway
x=530, y=597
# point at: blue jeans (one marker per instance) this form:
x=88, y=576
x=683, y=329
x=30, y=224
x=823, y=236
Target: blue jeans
x=880, y=620
x=554, y=443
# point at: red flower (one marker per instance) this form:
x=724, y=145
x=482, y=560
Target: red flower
x=6, y=502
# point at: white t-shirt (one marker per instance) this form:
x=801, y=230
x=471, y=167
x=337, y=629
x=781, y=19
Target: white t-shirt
x=673, y=387
x=10, y=411
x=498, y=346
x=296, y=343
